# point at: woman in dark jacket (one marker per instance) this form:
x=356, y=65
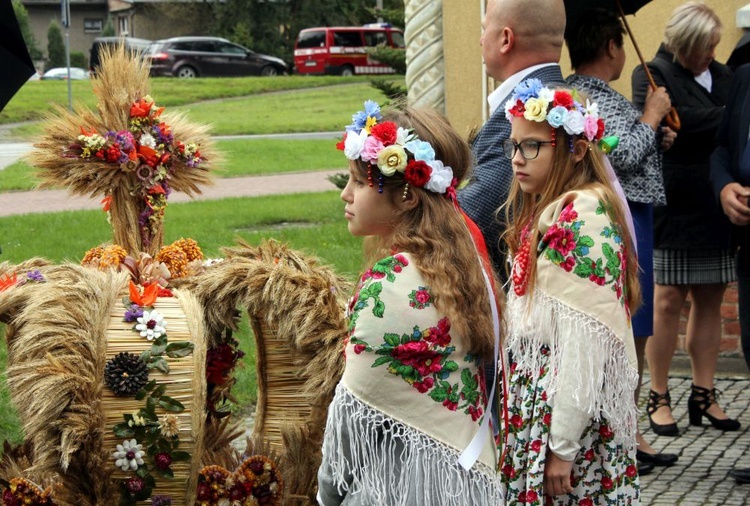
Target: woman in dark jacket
x=692, y=253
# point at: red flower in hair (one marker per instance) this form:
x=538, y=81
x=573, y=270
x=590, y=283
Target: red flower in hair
x=563, y=98
x=600, y=128
x=518, y=109
x=340, y=144
x=417, y=173
x=385, y=132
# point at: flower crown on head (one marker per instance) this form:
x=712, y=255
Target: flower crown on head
x=559, y=108
x=394, y=149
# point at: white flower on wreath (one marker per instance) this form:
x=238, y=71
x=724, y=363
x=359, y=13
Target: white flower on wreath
x=148, y=140
x=151, y=325
x=129, y=455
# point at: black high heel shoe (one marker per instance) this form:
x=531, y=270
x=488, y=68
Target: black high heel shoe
x=698, y=403
x=656, y=401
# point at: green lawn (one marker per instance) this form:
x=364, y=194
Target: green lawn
x=37, y=97
x=312, y=223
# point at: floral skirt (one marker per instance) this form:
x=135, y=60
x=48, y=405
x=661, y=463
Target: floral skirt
x=603, y=472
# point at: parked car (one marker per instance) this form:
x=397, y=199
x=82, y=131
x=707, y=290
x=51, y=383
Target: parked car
x=60, y=73
x=189, y=57
x=131, y=43
x=342, y=49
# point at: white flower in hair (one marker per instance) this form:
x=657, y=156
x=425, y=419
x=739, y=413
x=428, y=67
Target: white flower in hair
x=573, y=123
x=440, y=178
x=592, y=108
x=404, y=135
x=354, y=143
x=546, y=95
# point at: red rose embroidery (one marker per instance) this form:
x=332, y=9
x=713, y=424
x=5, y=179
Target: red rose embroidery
x=631, y=471
x=585, y=502
x=516, y=421
x=568, y=264
x=418, y=355
x=547, y=420
x=607, y=483
x=359, y=348
x=509, y=471
x=606, y=432
x=561, y=240
x=450, y=404
x=589, y=455
x=568, y=214
x=424, y=385
x=536, y=445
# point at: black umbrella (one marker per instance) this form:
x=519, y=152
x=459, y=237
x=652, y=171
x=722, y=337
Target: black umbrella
x=740, y=53
x=15, y=62
x=574, y=9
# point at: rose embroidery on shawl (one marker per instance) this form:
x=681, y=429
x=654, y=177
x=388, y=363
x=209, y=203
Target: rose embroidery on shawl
x=565, y=246
x=420, y=299
x=370, y=288
x=423, y=359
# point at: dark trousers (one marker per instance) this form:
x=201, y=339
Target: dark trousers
x=743, y=289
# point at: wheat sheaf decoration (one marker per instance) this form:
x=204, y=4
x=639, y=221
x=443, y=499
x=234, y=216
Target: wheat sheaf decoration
x=131, y=153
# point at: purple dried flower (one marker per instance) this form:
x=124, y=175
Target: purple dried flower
x=133, y=313
x=35, y=275
x=161, y=500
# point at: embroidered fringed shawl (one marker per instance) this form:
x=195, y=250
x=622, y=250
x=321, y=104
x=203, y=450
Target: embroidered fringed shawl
x=578, y=315
x=409, y=402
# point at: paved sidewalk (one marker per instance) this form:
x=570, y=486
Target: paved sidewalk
x=38, y=201
x=706, y=455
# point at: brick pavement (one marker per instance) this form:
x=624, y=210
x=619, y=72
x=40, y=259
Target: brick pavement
x=706, y=454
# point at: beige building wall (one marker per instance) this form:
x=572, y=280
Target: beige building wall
x=465, y=103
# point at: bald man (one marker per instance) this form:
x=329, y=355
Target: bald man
x=517, y=43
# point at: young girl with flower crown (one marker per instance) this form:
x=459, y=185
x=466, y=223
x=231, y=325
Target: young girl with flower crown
x=409, y=422
x=572, y=418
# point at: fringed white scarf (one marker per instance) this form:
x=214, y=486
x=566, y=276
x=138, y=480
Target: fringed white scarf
x=605, y=379
x=388, y=459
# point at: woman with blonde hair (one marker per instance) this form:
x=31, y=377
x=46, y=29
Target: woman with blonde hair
x=573, y=371
x=692, y=253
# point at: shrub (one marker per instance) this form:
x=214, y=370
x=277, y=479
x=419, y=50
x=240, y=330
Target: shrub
x=78, y=59
x=396, y=58
x=55, y=46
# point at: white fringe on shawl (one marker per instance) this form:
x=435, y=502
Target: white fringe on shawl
x=389, y=459
x=605, y=381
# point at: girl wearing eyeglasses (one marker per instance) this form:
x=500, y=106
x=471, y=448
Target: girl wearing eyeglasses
x=571, y=413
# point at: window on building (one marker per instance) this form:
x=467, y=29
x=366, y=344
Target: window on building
x=93, y=25
x=123, y=26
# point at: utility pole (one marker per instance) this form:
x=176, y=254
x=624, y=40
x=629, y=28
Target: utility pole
x=65, y=18
x=379, y=7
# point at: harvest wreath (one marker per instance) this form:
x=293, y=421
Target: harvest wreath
x=121, y=368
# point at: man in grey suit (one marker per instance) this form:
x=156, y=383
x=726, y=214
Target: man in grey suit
x=730, y=174
x=521, y=39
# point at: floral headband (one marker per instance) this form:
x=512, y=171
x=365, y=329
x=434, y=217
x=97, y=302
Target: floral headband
x=394, y=149
x=559, y=108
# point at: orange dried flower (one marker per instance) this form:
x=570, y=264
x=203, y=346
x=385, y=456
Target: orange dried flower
x=190, y=247
x=112, y=256
x=174, y=258
x=92, y=256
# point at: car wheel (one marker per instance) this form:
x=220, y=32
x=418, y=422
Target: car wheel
x=347, y=71
x=269, y=71
x=186, y=72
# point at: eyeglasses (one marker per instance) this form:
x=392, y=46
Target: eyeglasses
x=529, y=149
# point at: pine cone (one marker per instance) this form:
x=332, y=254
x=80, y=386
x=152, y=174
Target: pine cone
x=125, y=374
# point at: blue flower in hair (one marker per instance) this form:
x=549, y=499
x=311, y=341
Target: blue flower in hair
x=422, y=150
x=359, y=120
x=527, y=89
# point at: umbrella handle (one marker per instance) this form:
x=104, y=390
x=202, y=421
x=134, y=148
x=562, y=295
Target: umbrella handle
x=672, y=119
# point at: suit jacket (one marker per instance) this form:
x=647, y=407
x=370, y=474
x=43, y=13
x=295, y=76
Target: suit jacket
x=493, y=173
x=692, y=218
x=730, y=143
